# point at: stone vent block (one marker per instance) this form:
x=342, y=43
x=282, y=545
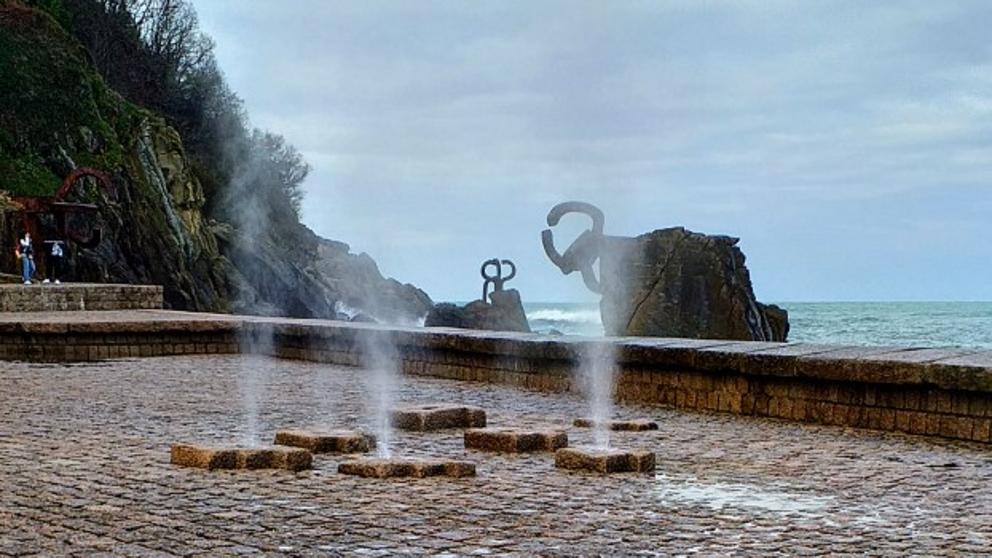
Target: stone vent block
x=636, y=425
x=327, y=441
x=265, y=457
x=382, y=468
x=606, y=460
x=436, y=417
x=511, y=440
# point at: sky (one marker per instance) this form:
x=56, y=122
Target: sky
x=848, y=144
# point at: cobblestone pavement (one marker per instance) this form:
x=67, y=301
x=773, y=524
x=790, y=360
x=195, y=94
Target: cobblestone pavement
x=84, y=470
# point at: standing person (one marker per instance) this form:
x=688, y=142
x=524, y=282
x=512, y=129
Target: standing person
x=54, y=261
x=26, y=253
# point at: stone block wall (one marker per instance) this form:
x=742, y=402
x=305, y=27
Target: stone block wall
x=78, y=296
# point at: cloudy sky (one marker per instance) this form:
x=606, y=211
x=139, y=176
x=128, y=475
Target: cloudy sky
x=848, y=144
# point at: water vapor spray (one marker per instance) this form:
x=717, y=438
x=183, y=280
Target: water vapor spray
x=252, y=227
x=597, y=370
x=381, y=360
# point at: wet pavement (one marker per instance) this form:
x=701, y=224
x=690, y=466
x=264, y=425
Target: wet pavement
x=84, y=470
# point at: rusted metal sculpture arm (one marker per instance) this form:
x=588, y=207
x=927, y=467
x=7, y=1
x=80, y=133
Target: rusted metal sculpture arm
x=585, y=250
x=564, y=208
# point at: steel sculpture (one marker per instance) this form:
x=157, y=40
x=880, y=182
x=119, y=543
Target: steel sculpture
x=496, y=280
x=585, y=250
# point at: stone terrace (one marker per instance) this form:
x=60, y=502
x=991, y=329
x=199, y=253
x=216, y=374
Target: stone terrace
x=84, y=470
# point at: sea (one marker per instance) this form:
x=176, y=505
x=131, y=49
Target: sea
x=904, y=324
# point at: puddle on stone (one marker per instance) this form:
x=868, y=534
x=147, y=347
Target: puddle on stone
x=719, y=495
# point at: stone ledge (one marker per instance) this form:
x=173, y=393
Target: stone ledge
x=66, y=297
x=512, y=440
x=211, y=458
x=326, y=441
x=382, y=468
x=948, y=369
x=607, y=460
x=422, y=418
x=635, y=425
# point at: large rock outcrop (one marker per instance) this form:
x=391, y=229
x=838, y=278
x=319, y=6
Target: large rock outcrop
x=677, y=283
x=310, y=276
x=505, y=313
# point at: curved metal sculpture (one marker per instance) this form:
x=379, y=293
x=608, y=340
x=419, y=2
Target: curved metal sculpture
x=496, y=280
x=82, y=172
x=585, y=250
x=57, y=206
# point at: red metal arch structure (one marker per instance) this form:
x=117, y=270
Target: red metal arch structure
x=33, y=208
x=81, y=172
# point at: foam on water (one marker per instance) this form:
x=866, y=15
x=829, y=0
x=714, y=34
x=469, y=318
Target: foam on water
x=718, y=495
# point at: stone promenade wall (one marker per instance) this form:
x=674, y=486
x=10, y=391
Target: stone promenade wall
x=78, y=296
x=938, y=392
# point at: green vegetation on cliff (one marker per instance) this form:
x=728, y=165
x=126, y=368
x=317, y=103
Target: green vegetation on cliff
x=55, y=110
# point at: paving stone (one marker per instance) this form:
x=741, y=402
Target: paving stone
x=634, y=425
x=514, y=440
x=608, y=460
x=79, y=442
x=211, y=458
x=422, y=418
x=382, y=468
x=327, y=441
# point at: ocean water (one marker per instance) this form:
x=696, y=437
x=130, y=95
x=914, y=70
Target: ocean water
x=904, y=324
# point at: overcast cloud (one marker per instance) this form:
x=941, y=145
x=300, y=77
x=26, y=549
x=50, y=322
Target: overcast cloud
x=849, y=144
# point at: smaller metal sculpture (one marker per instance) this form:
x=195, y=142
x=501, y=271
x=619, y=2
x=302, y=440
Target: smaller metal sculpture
x=585, y=250
x=496, y=280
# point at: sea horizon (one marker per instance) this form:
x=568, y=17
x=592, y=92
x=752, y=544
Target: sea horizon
x=952, y=324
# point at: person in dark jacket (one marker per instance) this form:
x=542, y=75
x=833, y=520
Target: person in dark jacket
x=54, y=261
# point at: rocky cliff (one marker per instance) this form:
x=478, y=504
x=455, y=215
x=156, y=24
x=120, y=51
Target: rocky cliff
x=310, y=276
x=57, y=114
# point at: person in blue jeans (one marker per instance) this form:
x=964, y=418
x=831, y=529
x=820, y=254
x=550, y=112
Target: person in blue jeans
x=25, y=252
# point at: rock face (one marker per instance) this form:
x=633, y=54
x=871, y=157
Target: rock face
x=677, y=283
x=316, y=278
x=154, y=230
x=57, y=114
x=358, y=285
x=506, y=313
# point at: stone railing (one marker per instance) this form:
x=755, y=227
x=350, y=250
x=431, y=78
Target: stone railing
x=78, y=296
x=939, y=392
